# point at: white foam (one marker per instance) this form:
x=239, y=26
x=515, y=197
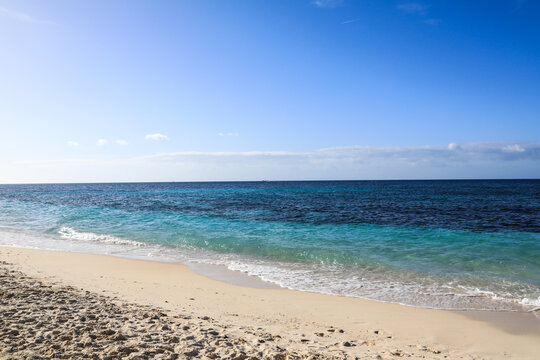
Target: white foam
x=338, y=280
x=332, y=279
x=71, y=234
x=530, y=302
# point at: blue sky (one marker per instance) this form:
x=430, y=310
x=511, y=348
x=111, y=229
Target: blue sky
x=244, y=90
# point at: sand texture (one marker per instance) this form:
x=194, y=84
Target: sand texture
x=40, y=321
x=110, y=308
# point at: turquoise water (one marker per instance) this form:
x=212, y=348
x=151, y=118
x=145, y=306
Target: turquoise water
x=457, y=245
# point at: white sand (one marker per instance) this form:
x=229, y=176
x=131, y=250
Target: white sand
x=262, y=323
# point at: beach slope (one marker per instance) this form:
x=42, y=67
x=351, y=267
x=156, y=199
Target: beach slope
x=71, y=305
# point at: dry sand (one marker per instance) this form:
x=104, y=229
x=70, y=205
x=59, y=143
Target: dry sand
x=69, y=305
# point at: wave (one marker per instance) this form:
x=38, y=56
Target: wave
x=530, y=302
x=335, y=279
x=72, y=234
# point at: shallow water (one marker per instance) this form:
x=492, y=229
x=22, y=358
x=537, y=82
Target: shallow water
x=442, y=244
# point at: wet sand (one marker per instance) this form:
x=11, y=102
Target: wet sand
x=69, y=305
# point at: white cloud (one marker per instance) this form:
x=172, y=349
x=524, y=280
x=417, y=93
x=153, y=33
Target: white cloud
x=228, y=134
x=156, y=137
x=469, y=160
x=20, y=16
x=377, y=156
x=101, y=142
x=513, y=148
x=121, y=142
x=73, y=143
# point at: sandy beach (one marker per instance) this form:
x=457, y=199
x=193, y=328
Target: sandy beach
x=281, y=180
x=70, y=305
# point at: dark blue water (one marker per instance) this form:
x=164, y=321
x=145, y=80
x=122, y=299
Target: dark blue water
x=451, y=244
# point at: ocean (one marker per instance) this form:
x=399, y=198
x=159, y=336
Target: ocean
x=436, y=244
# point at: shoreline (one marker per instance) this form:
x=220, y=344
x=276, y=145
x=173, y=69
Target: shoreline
x=287, y=312
x=248, y=275
x=517, y=322
x=221, y=272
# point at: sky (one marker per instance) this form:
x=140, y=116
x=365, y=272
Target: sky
x=104, y=91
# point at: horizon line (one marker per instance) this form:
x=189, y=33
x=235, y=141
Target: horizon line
x=263, y=180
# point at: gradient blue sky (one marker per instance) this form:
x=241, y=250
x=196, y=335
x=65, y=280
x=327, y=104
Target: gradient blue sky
x=244, y=90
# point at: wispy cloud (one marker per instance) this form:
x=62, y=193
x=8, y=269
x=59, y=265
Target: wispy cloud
x=101, y=142
x=450, y=154
x=349, y=21
x=469, y=160
x=413, y=8
x=513, y=148
x=73, y=143
x=327, y=3
x=23, y=17
x=156, y=137
x=228, y=134
x=121, y=142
